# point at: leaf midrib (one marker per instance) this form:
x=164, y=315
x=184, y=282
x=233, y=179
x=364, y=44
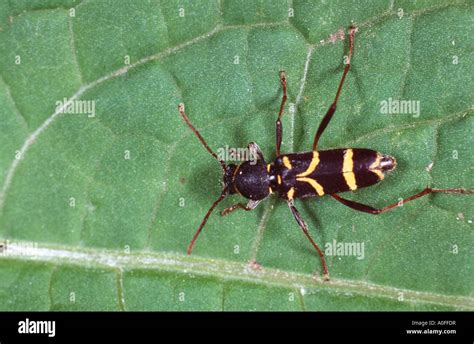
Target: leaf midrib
x=220, y=269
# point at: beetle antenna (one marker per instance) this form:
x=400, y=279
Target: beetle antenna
x=195, y=236
x=196, y=132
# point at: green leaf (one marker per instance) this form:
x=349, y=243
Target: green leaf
x=96, y=212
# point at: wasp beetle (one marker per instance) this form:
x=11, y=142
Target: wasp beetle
x=306, y=174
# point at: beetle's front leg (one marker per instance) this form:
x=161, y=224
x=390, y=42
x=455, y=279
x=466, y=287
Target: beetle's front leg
x=250, y=206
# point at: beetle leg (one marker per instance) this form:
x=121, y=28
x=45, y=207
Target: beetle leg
x=257, y=153
x=304, y=228
x=279, y=128
x=327, y=118
x=371, y=210
x=250, y=206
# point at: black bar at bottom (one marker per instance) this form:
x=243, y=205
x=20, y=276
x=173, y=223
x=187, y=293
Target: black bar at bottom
x=408, y=326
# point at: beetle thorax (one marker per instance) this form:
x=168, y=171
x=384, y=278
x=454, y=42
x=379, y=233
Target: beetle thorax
x=252, y=180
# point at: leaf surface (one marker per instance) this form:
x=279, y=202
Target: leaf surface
x=97, y=212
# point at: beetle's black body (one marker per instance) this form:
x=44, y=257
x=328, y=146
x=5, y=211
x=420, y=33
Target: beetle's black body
x=308, y=174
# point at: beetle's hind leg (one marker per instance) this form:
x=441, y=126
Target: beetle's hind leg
x=371, y=210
